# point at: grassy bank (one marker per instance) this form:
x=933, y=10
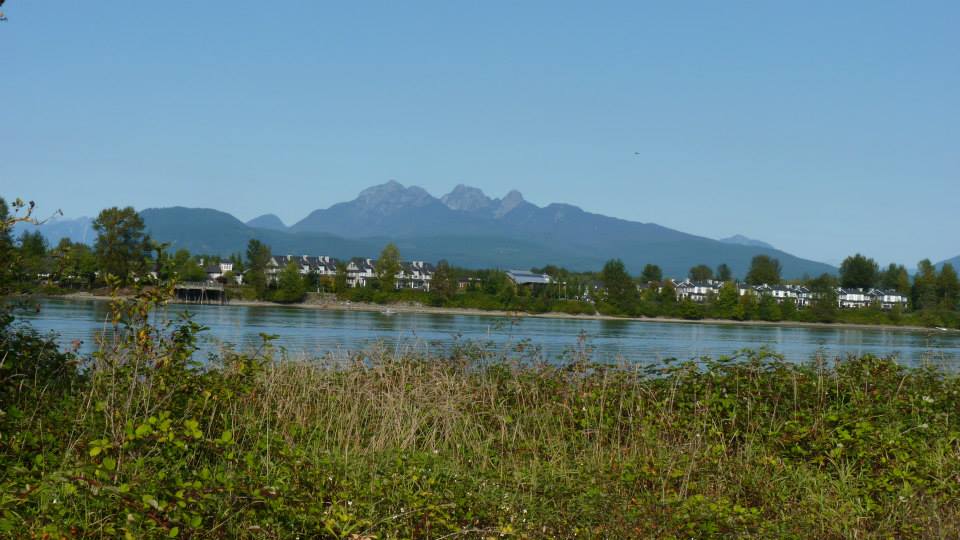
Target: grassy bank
x=143, y=440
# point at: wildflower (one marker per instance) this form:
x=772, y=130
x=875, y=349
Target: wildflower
x=927, y=399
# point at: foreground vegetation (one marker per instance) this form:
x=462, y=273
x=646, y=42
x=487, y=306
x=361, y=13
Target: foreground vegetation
x=145, y=440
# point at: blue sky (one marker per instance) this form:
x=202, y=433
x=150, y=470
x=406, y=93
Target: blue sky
x=823, y=128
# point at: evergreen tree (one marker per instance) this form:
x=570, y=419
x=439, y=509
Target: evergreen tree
x=33, y=255
x=948, y=287
x=621, y=292
x=258, y=255
x=121, y=243
x=925, y=286
x=651, y=274
x=387, y=266
x=859, y=272
x=764, y=270
x=896, y=278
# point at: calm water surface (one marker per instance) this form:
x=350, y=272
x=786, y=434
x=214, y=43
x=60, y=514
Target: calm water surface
x=314, y=332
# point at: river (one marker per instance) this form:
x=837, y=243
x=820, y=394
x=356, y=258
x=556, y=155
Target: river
x=314, y=332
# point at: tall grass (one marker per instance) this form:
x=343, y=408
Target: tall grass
x=149, y=442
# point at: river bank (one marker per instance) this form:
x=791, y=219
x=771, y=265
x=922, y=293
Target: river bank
x=323, y=304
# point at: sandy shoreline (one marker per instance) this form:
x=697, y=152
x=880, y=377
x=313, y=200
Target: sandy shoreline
x=411, y=308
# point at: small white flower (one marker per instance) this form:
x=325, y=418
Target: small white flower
x=924, y=425
x=927, y=399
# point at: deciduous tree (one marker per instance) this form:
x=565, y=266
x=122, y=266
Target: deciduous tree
x=443, y=280
x=290, y=286
x=764, y=269
x=121, y=243
x=620, y=290
x=387, y=266
x=859, y=272
x=651, y=273
x=700, y=272
x=723, y=273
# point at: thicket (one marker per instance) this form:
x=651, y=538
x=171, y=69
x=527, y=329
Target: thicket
x=143, y=439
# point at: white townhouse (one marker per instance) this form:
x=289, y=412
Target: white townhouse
x=888, y=299
x=321, y=265
x=360, y=271
x=697, y=291
x=216, y=271
x=853, y=298
x=858, y=298
x=800, y=295
x=415, y=275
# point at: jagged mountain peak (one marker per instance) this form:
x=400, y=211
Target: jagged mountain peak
x=393, y=194
x=466, y=198
x=508, y=203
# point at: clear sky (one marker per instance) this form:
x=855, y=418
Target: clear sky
x=823, y=128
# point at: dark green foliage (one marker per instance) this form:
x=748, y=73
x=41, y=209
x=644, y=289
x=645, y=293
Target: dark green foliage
x=724, y=273
x=896, y=278
x=857, y=271
x=258, y=255
x=443, y=284
x=6, y=247
x=121, y=244
x=764, y=269
x=290, y=286
x=948, y=287
x=620, y=290
x=387, y=266
x=651, y=274
x=925, y=286
x=700, y=272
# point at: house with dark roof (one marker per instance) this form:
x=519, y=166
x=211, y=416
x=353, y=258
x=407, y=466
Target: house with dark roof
x=697, y=291
x=415, y=275
x=361, y=271
x=859, y=298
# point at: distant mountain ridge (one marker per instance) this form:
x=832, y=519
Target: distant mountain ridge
x=267, y=221
x=468, y=228
x=742, y=240
x=76, y=229
x=954, y=261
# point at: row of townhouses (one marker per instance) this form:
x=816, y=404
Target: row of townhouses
x=700, y=291
x=419, y=275
x=360, y=271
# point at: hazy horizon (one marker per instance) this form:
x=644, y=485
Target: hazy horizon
x=821, y=129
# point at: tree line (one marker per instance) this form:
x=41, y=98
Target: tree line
x=123, y=253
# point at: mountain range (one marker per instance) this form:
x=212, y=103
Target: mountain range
x=465, y=226
x=470, y=229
